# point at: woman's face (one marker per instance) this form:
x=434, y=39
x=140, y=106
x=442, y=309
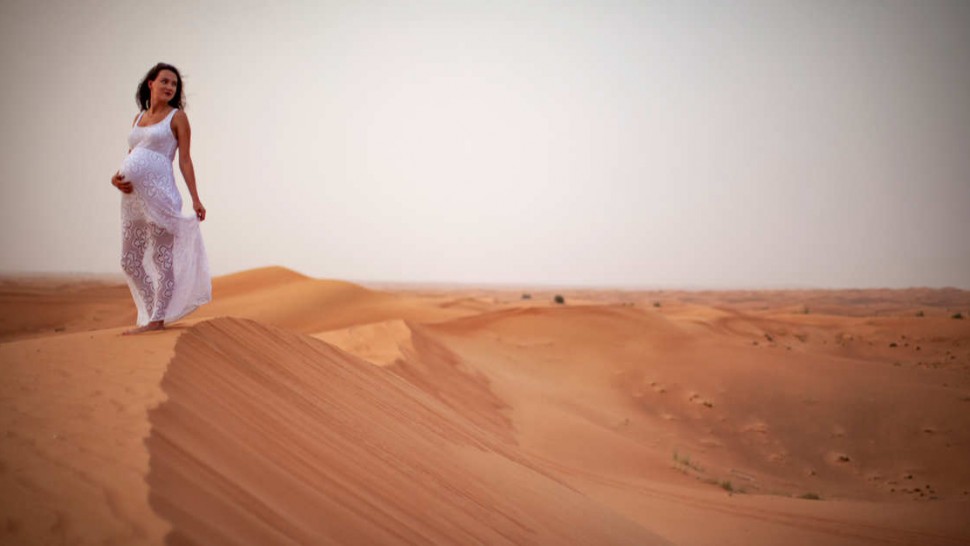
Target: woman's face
x=164, y=85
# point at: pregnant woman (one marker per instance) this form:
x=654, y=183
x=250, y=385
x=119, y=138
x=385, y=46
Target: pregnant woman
x=162, y=253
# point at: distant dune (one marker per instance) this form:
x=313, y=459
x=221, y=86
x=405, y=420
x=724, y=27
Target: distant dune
x=294, y=410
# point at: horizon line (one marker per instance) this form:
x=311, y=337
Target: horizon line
x=438, y=284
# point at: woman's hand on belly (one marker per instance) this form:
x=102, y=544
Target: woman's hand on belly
x=118, y=181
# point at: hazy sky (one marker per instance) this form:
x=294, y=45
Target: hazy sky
x=673, y=144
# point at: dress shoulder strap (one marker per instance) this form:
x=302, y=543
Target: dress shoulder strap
x=168, y=119
x=140, y=114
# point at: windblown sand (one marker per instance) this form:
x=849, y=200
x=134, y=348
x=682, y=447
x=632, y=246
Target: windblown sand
x=294, y=410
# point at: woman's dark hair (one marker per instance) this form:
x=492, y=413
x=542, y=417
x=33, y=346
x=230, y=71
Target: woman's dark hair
x=144, y=95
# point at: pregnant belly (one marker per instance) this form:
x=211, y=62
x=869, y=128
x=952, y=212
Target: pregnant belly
x=143, y=166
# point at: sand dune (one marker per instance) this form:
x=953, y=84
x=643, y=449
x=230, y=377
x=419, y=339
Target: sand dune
x=307, y=444
x=298, y=410
x=280, y=297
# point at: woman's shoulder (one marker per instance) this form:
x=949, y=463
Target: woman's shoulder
x=179, y=117
x=179, y=123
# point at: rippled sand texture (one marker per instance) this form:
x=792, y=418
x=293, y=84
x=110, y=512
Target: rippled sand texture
x=301, y=411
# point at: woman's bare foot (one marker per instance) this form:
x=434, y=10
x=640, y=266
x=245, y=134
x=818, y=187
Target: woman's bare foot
x=151, y=326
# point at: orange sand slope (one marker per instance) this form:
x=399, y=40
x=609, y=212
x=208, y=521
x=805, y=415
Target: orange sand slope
x=295, y=410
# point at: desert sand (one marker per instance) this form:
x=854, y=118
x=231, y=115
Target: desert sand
x=294, y=410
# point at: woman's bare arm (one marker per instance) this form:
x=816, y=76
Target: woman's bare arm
x=183, y=134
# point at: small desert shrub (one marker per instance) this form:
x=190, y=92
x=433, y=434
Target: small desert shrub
x=685, y=462
x=957, y=315
x=559, y=299
x=727, y=486
x=656, y=304
x=920, y=314
x=527, y=296
x=810, y=496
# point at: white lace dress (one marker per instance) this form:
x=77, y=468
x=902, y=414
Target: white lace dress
x=162, y=253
